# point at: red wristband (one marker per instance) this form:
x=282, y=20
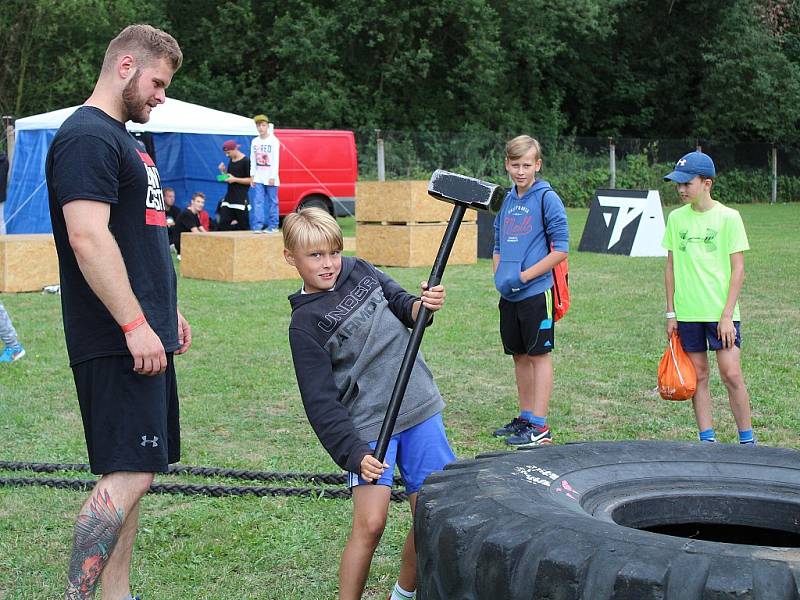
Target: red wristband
x=128, y=327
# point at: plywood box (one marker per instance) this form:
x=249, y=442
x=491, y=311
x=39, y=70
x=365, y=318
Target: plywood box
x=28, y=262
x=401, y=202
x=234, y=256
x=414, y=245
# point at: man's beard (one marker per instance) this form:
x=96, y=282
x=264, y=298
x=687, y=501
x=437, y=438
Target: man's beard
x=135, y=107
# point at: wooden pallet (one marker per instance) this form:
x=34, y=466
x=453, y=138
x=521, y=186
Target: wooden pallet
x=401, y=202
x=414, y=244
x=234, y=256
x=28, y=262
x=398, y=224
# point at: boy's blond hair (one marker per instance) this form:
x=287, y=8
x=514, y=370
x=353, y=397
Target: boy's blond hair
x=146, y=44
x=520, y=146
x=311, y=228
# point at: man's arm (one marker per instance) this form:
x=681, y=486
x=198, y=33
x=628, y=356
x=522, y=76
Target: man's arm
x=100, y=260
x=252, y=164
x=184, y=334
x=239, y=180
x=274, y=164
x=726, y=331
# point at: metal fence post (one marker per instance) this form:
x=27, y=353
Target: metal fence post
x=612, y=163
x=8, y=121
x=381, y=162
x=774, y=174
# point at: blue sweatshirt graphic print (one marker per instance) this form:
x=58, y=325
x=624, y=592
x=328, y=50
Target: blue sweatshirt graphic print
x=519, y=239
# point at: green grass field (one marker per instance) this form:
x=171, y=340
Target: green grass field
x=241, y=409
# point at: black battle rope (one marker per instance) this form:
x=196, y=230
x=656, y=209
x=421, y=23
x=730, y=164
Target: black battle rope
x=194, y=489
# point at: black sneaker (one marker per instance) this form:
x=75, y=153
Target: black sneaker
x=531, y=436
x=516, y=425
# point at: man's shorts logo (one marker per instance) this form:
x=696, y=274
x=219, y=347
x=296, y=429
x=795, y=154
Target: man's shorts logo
x=153, y=442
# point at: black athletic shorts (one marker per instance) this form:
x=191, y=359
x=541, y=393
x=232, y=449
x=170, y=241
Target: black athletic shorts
x=526, y=327
x=130, y=421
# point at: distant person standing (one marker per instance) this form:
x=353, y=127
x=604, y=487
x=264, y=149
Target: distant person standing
x=119, y=301
x=232, y=211
x=264, y=161
x=13, y=350
x=173, y=212
x=3, y=183
x=189, y=221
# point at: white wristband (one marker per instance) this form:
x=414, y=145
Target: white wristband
x=670, y=315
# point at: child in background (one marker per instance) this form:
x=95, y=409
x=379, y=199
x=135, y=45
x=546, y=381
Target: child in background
x=348, y=335
x=13, y=349
x=705, y=244
x=523, y=262
x=265, y=151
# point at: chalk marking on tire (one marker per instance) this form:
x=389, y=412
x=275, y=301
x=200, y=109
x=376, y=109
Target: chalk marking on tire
x=529, y=471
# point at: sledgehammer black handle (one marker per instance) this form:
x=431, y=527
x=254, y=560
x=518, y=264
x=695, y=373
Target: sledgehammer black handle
x=416, y=334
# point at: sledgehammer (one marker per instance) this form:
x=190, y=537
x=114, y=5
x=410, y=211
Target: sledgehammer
x=464, y=192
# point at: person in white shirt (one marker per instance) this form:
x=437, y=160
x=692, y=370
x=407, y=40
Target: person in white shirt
x=264, y=161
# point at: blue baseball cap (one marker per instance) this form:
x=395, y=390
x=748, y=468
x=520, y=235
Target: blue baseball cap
x=690, y=166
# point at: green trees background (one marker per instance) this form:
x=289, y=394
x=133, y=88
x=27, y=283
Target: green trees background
x=635, y=68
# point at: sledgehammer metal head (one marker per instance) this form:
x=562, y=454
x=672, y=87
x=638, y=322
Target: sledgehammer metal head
x=467, y=191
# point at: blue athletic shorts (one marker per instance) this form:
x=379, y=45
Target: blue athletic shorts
x=701, y=337
x=418, y=452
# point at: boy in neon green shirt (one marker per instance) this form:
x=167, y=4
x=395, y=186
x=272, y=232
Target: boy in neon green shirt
x=705, y=244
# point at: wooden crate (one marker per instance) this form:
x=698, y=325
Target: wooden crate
x=401, y=202
x=234, y=256
x=28, y=262
x=414, y=244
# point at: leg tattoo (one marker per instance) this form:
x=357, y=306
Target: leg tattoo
x=96, y=533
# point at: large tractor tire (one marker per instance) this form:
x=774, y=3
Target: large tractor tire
x=597, y=520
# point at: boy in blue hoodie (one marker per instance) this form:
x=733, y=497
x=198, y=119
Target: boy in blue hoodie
x=532, y=215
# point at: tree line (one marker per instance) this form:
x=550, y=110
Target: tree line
x=634, y=68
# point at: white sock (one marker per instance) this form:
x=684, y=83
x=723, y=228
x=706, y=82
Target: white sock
x=399, y=593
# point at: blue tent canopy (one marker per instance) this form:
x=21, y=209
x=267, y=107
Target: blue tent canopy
x=187, y=141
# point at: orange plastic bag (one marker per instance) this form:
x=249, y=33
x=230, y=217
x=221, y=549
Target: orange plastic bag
x=676, y=377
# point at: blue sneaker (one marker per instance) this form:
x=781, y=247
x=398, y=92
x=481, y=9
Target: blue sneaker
x=517, y=425
x=12, y=353
x=531, y=436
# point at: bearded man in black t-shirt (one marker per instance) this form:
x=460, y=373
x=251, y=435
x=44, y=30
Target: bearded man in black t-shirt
x=118, y=297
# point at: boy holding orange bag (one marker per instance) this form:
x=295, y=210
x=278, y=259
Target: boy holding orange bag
x=705, y=244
